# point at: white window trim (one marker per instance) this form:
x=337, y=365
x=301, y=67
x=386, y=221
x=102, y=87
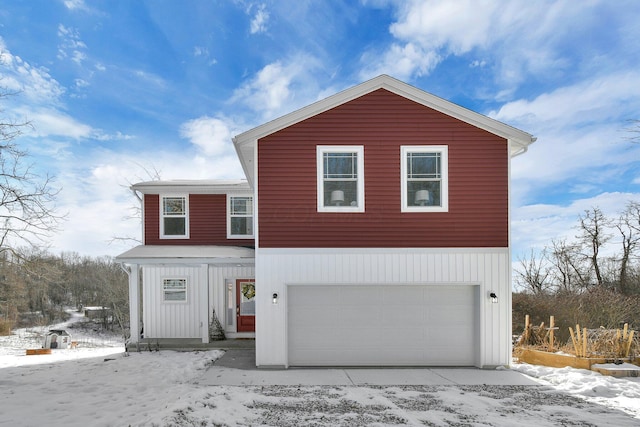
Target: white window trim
x=186, y=217
x=186, y=291
x=320, y=150
x=444, y=165
x=253, y=217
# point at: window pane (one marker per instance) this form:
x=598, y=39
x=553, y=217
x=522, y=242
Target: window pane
x=175, y=284
x=241, y=226
x=423, y=193
x=175, y=295
x=175, y=289
x=423, y=165
x=174, y=227
x=174, y=206
x=241, y=206
x=341, y=193
x=340, y=165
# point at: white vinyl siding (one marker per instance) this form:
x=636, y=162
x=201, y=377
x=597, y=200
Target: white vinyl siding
x=340, y=172
x=174, y=320
x=486, y=269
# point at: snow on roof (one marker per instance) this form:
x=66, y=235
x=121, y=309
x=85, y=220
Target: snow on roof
x=156, y=254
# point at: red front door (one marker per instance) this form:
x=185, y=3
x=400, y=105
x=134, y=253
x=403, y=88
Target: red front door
x=246, y=305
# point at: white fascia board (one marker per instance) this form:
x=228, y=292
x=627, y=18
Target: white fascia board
x=244, y=262
x=179, y=254
x=193, y=187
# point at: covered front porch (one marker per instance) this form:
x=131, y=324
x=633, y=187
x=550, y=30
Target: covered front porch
x=188, y=297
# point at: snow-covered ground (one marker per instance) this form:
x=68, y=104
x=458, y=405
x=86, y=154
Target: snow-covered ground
x=98, y=384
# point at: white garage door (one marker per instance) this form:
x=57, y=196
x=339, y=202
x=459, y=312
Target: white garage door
x=390, y=325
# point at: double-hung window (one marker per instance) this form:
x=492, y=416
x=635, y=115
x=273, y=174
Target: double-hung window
x=340, y=178
x=174, y=218
x=174, y=290
x=240, y=217
x=424, y=178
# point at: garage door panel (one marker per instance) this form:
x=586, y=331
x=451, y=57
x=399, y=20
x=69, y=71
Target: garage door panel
x=400, y=316
x=404, y=295
x=367, y=325
x=361, y=317
x=359, y=295
x=314, y=296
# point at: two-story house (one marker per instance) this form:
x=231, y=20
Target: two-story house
x=381, y=230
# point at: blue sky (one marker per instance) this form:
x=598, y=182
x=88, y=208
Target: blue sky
x=115, y=88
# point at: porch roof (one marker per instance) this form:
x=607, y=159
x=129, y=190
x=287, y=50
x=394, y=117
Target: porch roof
x=192, y=254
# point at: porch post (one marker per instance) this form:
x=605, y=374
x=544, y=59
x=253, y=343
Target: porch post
x=134, y=303
x=204, y=302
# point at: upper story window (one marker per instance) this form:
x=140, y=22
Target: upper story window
x=174, y=218
x=240, y=217
x=424, y=178
x=340, y=178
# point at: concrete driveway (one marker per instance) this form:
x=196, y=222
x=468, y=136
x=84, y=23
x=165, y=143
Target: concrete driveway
x=237, y=368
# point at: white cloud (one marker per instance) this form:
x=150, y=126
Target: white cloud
x=49, y=122
x=579, y=130
x=118, y=136
x=517, y=39
x=598, y=99
x=535, y=226
x=400, y=61
x=200, y=51
x=460, y=24
x=71, y=45
x=212, y=135
x=75, y=4
x=280, y=87
x=34, y=84
x=260, y=19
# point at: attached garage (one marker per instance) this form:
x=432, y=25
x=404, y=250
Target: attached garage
x=383, y=325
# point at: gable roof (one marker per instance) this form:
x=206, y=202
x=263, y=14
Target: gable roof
x=245, y=143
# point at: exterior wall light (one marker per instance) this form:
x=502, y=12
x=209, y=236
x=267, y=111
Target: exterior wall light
x=494, y=297
x=275, y=298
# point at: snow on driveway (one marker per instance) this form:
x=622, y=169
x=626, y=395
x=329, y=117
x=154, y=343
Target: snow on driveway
x=104, y=386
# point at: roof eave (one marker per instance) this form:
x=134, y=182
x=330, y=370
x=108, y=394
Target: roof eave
x=192, y=187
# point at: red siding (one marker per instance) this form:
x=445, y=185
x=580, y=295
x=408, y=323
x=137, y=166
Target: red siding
x=382, y=122
x=207, y=222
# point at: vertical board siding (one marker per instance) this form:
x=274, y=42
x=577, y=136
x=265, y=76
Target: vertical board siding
x=207, y=222
x=173, y=319
x=382, y=122
x=488, y=269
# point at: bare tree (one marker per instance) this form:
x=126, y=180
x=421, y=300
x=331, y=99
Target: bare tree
x=533, y=273
x=593, y=235
x=135, y=211
x=570, y=275
x=628, y=226
x=27, y=209
x=634, y=130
